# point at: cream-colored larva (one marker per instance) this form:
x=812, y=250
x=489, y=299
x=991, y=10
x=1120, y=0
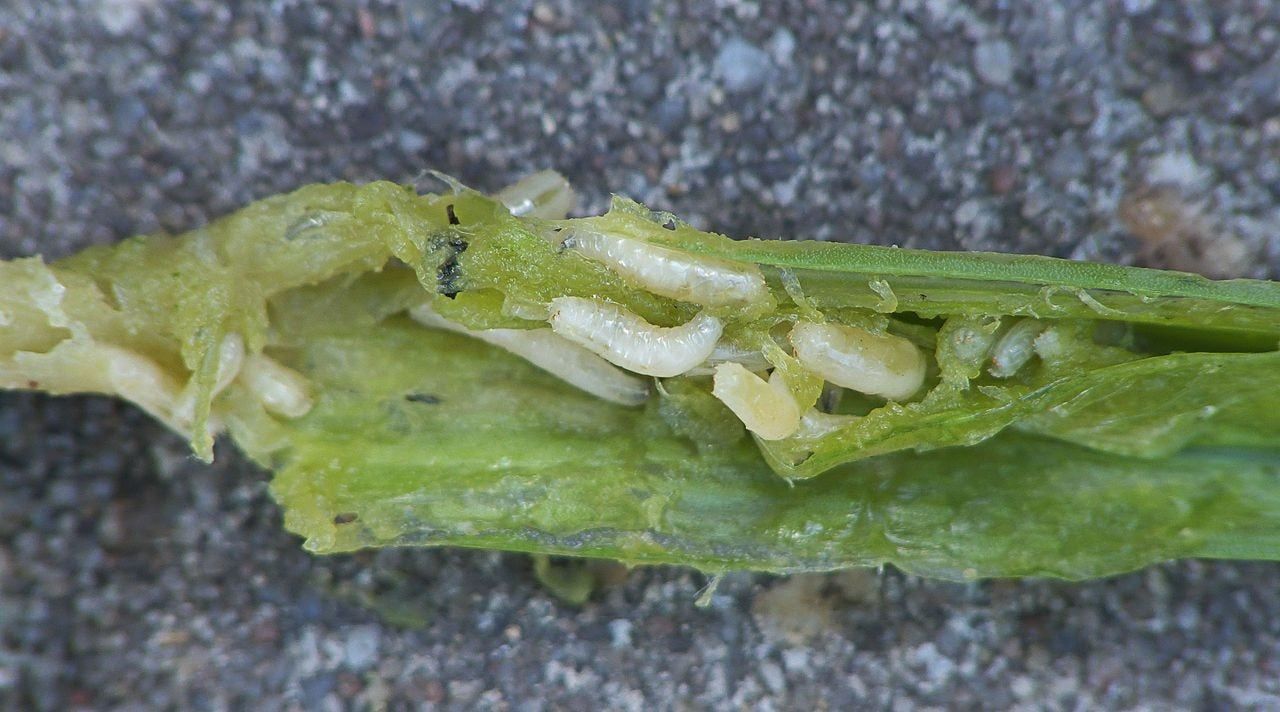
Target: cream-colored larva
x=280, y=389
x=767, y=408
x=876, y=364
x=706, y=281
x=545, y=194
x=137, y=378
x=1015, y=348
x=230, y=361
x=554, y=354
x=627, y=340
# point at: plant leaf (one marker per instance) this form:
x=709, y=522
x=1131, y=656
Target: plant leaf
x=504, y=456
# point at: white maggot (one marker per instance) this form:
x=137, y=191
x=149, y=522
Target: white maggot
x=707, y=281
x=767, y=408
x=626, y=340
x=876, y=364
x=137, y=378
x=281, y=390
x=554, y=354
x=1015, y=348
x=545, y=194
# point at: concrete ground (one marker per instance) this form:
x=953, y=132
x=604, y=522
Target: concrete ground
x=132, y=577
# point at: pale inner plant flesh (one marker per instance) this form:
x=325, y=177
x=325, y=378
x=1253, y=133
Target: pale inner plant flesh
x=343, y=332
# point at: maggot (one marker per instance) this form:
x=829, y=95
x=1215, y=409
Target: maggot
x=625, y=339
x=281, y=390
x=141, y=380
x=545, y=194
x=554, y=354
x=876, y=364
x=706, y=281
x=1015, y=348
x=766, y=408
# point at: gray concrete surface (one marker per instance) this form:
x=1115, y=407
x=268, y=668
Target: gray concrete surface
x=134, y=578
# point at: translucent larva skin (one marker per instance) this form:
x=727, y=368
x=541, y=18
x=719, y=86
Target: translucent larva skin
x=815, y=424
x=554, y=354
x=545, y=194
x=1015, y=348
x=281, y=390
x=230, y=360
x=766, y=408
x=752, y=359
x=964, y=345
x=876, y=364
x=670, y=273
x=627, y=340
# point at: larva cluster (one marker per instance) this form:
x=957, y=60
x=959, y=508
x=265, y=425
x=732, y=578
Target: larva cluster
x=602, y=347
x=1003, y=350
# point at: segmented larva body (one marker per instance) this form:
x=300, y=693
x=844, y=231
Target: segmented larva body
x=1015, y=348
x=280, y=389
x=706, y=281
x=766, y=408
x=625, y=339
x=876, y=364
x=554, y=354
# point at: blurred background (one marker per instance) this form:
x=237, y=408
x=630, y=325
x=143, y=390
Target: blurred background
x=132, y=577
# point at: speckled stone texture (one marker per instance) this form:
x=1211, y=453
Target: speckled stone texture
x=132, y=577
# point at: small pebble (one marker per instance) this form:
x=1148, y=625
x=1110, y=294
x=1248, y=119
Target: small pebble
x=742, y=66
x=993, y=61
x=1162, y=99
x=361, y=647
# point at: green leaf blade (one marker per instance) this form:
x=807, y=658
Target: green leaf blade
x=615, y=482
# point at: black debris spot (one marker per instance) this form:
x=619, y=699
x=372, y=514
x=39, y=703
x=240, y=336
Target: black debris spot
x=450, y=272
x=453, y=217
x=427, y=398
x=670, y=224
x=344, y=518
